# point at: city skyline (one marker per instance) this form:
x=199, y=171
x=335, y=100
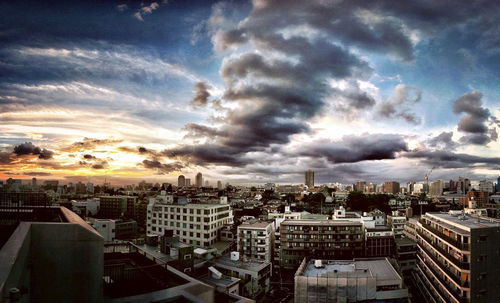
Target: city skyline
x=127, y=91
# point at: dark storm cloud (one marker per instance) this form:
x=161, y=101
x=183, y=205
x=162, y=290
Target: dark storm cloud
x=200, y=131
x=5, y=157
x=474, y=123
x=101, y=165
x=35, y=173
x=88, y=157
x=340, y=20
x=29, y=148
x=400, y=104
x=276, y=95
x=163, y=168
x=447, y=159
x=355, y=149
x=443, y=141
x=201, y=94
x=207, y=154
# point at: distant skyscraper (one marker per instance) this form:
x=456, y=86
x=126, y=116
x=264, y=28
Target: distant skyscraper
x=33, y=182
x=199, y=180
x=390, y=187
x=309, y=178
x=188, y=182
x=207, y=184
x=181, y=181
x=360, y=186
x=219, y=185
x=498, y=185
x=436, y=188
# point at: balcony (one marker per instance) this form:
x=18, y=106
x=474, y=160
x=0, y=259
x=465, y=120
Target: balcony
x=443, y=268
x=456, y=296
x=452, y=241
x=449, y=257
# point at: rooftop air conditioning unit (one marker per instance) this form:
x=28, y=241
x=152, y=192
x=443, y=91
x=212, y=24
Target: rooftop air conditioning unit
x=318, y=264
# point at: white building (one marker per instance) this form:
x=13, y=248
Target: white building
x=287, y=215
x=106, y=228
x=397, y=223
x=197, y=224
x=256, y=240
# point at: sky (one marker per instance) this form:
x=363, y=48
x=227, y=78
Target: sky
x=249, y=92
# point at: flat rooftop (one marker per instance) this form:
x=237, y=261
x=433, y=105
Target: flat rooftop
x=466, y=222
x=381, y=269
x=321, y=222
x=260, y=224
x=129, y=274
x=249, y=264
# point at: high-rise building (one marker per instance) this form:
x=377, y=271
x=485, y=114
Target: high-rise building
x=487, y=186
x=309, y=178
x=80, y=188
x=188, y=182
x=181, y=181
x=33, y=182
x=207, y=184
x=390, y=187
x=463, y=185
x=498, y=185
x=436, y=188
x=457, y=257
x=410, y=186
x=199, y=180
x=90, y=188
x=219, y=185
x=360, y=186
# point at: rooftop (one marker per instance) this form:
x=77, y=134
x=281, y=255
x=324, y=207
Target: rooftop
x=129, y=274
x=321, y=222
x=252, y=265
x=465, y=222
x=381, y=269
x=258, y=224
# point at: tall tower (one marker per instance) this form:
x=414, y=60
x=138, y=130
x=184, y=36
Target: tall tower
x=219, y=185
x=181, y=181
x=199, y=180
x=309, y=178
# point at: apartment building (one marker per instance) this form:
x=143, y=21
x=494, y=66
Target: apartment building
x=458, y=256
x=256, y=240
x=113, y=207
x=379, y=242
x=327, y=239
x=197, y=224
x=397, y=223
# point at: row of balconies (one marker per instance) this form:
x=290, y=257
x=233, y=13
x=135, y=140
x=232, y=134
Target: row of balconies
x=442, y=267
x=451, y=240
x=456, y=294
x=450, y=257
x=285, y=231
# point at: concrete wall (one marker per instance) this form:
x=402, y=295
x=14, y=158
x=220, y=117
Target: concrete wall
x=67, y=263
x=14, y=264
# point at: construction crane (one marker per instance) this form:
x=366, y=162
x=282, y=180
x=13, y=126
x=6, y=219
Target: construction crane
x=427, y=176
